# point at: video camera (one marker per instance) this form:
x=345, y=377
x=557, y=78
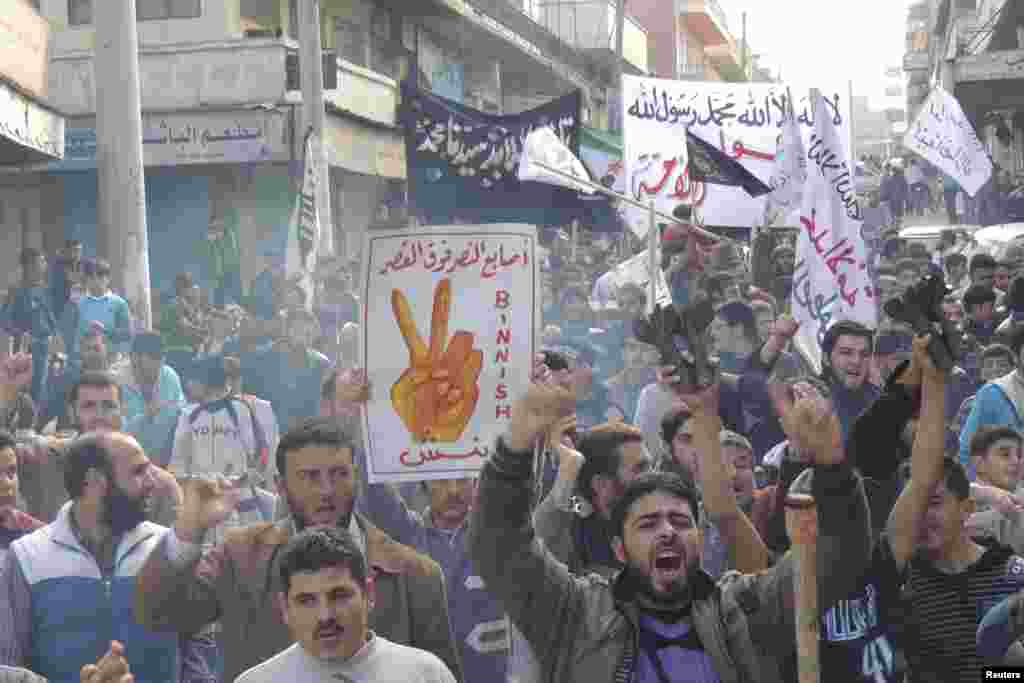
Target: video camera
x=678, y=334
x=920, y=307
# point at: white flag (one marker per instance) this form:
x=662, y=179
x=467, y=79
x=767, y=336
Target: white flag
x=831, y=281
x=544, y=146
x=943, y=135
x=304, y=229
x=656, y=169
x=790, y=173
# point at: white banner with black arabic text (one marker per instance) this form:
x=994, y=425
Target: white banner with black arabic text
x=943, y=135
x=743, y=119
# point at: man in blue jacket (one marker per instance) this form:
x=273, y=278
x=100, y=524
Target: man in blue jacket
x=70, y=585
x=1000, y=402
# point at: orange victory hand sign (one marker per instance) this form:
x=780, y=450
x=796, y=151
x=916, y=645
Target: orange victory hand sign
x=436, y=396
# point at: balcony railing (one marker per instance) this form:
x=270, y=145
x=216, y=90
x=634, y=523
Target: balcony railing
x=707, y=20
x=590, y=24
x=223, y=73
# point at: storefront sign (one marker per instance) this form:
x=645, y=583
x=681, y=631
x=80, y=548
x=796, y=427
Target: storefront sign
x=29, y=124
x=183, y=139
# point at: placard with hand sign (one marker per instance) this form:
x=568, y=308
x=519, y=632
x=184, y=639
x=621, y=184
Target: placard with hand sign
x=447, y=344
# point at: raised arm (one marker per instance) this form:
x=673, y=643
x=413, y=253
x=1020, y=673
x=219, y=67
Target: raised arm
x=843, y=546
x=925, y=459
x=535, y=589
x=747, y=551
x=883, y=422
x=176, y=589
x=554, y=518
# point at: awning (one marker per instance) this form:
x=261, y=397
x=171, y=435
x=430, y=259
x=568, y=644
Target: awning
x=30, y=131
x=363, y=148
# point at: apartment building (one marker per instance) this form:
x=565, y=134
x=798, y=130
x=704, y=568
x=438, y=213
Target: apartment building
x=975, y=49
x=31, y=129
x=690, y=39
x=221, y=107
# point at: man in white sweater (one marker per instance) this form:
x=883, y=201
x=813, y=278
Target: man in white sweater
x=326, y=603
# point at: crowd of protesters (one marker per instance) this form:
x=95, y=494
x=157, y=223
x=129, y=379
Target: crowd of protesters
x=918, y=189
x=190, y=503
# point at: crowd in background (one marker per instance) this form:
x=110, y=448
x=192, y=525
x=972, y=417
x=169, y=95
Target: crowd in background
x=234, y=423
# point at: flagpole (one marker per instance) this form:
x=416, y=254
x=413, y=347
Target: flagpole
x=652, y=257
x=575, y=235
x=589, y=184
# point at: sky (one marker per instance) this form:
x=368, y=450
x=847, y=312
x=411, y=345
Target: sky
x=825, y=41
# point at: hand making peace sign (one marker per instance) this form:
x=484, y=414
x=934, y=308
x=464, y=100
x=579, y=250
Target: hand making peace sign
x=436, y=396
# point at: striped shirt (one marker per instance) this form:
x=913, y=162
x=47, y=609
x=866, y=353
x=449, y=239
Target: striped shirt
x=944, y=611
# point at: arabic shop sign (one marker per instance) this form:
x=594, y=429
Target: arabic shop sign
x=215, y=138
x=29, y=124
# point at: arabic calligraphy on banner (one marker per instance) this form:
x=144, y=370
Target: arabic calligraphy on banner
x=451, y=326
x=744, y=120
x=832, y=280
x=943, y=135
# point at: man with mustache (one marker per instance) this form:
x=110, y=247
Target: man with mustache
x=94, y=405
x=69, y=586
x=661, y=616
x=326, y=596
x=182, y=587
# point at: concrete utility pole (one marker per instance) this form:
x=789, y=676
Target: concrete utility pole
x=121, y=234
x=311, y=75
x=620, y=30
x=743, y=53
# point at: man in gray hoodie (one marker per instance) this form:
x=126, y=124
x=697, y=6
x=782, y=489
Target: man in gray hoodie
x=661, y=614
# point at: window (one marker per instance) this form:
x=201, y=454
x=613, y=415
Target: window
x=384, y=55
x=79, y=12
x=352, y=33
x=167, y=9
x=370, y=37
x=293, y=19
x=682, y=56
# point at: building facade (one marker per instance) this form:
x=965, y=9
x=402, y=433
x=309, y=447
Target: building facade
x=975, y=49
x=31, y=129
x=690, y=39
x=222, y=116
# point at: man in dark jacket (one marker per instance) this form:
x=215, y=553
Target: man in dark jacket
x=234, y=582
x=592, y=630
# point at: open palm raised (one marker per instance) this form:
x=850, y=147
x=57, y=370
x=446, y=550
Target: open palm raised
x=436, y=395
